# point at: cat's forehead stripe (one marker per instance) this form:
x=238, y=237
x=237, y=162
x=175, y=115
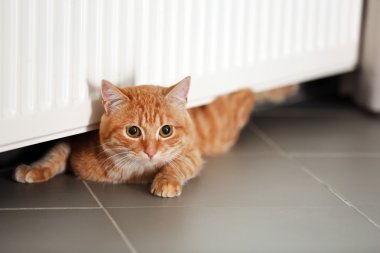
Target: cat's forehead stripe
x=150, y=116
x=157, y=119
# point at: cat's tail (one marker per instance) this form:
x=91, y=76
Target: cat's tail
x=218, y=124
x=277, y=95
x=53, y=163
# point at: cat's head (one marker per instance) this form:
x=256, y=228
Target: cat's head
x=146, y=125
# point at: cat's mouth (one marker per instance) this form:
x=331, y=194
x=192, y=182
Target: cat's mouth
x=154, y=161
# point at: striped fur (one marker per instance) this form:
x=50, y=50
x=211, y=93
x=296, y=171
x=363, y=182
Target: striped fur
x=111, y=155
x=218, y=124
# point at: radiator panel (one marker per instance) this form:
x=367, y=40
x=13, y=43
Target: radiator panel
x=54, y=53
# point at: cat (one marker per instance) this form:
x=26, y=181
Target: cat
x=146, y=135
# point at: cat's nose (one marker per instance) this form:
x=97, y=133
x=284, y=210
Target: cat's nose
x=150, y=153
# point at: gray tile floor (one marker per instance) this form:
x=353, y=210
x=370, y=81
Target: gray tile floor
x=303, y=178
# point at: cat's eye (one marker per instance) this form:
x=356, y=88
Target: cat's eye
x=166, y=131
x=133, y=131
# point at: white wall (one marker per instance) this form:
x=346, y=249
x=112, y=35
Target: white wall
x=367, y=90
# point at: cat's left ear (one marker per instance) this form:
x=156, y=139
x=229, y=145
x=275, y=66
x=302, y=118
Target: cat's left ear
x=112, y=96
x=178, y=92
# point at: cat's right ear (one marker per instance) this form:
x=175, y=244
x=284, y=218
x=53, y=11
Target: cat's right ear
x=112, y=97
x=178, y=92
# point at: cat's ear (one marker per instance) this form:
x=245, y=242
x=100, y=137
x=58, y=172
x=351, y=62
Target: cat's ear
x=112, y=97
x=178, y=92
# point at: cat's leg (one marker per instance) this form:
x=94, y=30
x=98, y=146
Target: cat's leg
x=169, y=180
x=53, y=163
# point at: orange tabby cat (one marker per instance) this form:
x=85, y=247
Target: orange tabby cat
x=147, y=135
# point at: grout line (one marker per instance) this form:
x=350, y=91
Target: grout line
x=334, y=154
x=247, y=154
x=137, y=207
x=234, y=205
x=267, y=139
x=48, y=208
x=333, y=190
x=272, y=143
x=123, y=236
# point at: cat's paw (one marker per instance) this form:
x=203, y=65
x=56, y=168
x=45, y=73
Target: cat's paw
x=166, y=187
x=28, y=174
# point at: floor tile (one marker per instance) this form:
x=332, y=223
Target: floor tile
x=231, y=181
x=252, y=199
x=323, y=135
x=62, y=191
x=355, y=178
x=212, y=229
x=250, y=144
x=58, y=231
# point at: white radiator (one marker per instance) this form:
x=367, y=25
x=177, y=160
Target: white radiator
x=54, y=53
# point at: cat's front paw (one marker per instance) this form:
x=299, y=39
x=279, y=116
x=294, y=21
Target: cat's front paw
x=166, y=187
